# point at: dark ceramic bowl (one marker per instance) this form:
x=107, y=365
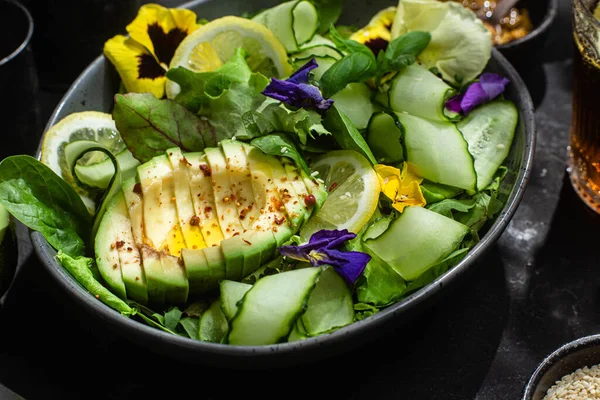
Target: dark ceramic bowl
x=94, y=90
x=525, y=50
x=566, y=359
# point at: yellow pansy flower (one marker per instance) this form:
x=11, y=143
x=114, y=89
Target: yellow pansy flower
x=401, y=186
x=142, y=58
x=377, y=34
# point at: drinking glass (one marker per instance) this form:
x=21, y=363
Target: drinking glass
x=584, y=145
x=20, y=125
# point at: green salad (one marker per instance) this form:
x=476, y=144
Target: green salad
x=274, y=177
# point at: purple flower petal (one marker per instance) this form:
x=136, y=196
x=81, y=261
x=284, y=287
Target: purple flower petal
x=485, y=90
x=348, y=264
x=331, y=239
x=301, y=76
x=295, y=252
x=474, y=96
x=296, y=91
x=493, y=84
x=453, y=103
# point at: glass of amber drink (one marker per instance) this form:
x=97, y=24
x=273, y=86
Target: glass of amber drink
x=584, y=146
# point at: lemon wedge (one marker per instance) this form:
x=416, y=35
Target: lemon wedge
x=353, y=192
x=210, y=46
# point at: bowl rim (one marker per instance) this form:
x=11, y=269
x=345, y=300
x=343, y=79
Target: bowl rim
x=27, y=37
x=383, y=318
x=547, y=21
x=555, y=357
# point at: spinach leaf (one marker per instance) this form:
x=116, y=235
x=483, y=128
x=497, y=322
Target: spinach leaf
x=357, y=66
x=401, y=52
x=190, y=326
x=280, y=145
x=44, y=202
x=80, y=268
x=172, y=318
x=150, y=126
x=345, y=133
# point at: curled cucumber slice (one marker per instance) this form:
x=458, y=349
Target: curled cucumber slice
x=293, y=22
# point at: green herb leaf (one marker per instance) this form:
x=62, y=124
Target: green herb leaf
x=150, y=126
x=172, y=318
x=44, y=202
x=280, y=145
x=402, y=52
x=80, y=268
x=190, y=325
x=358, y=66
x=345, y=133
x=303, y=123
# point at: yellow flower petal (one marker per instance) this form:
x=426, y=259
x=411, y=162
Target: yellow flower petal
x=389, y=180
x=161, y=30
x=137, y=68
x=409, y=195
x=410, y=173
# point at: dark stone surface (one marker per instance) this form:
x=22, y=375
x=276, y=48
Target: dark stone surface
x=537, y=289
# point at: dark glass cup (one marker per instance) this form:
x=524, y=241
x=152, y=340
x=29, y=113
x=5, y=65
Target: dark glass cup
x=20, y=125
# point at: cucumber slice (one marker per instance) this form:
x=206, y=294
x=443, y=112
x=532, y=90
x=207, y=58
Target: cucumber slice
x=355, y=101
x=323, y=62
x=293, y=22
x=330, y=305
x=425, y=238
x=213, y=325
x=417, y=91
x=231, y=294
x=99, y=174
x=439, y=151
x=489, y=131
x=318, y=47
x=298, y=332
x=270, y=309
x=385, y=137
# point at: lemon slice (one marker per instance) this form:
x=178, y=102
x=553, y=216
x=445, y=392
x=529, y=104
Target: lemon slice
x=210, y=46
x=460, y=45
x=353, y=192
x=86, y=125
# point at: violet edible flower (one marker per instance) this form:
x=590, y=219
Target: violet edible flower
x=296, y=91
x=488, y=87
x=321, y=250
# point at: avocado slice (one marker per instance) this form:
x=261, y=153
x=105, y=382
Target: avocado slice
x=107, y=241
x=188, y=220
x=197, y=270
x=132, y=270
x=161, y=232
x=216, y=264
x=295, y=179
x=241, y=185
x=200, y=181
x=174, y=279
x=295, y=210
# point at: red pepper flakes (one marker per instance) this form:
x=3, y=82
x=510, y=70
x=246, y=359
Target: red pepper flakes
x=333, y=186
x=195, y=220
x=310, y=200
x=137, y=188
x=205, y=170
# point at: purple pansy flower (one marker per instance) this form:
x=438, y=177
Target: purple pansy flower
x=321, y=249
x=486, y=89
x=296, y=91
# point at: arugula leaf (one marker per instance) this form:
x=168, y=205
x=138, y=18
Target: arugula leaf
x=401, y=52
x=150, y=126
x=44, y=202
x=80, y=268
x=329, y=13
x=302, y=122
x=345, y=133
x=357, y=66
x=280, y=145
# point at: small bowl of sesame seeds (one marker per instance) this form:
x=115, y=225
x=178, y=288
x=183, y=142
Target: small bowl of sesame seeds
x=570, y=372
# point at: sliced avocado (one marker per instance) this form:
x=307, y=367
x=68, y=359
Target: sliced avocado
x=316, y=188
x=254, y=247
x=293, y=176
x=161, y=230
x=241, y=184
x=424, y=237
x=174, y=279
x=216, y=264
x=200, y=181
x=188, y=220
x=130, y=258
x=226, y=208
x=107, y=240
x=294, y=209
x=197, y=270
